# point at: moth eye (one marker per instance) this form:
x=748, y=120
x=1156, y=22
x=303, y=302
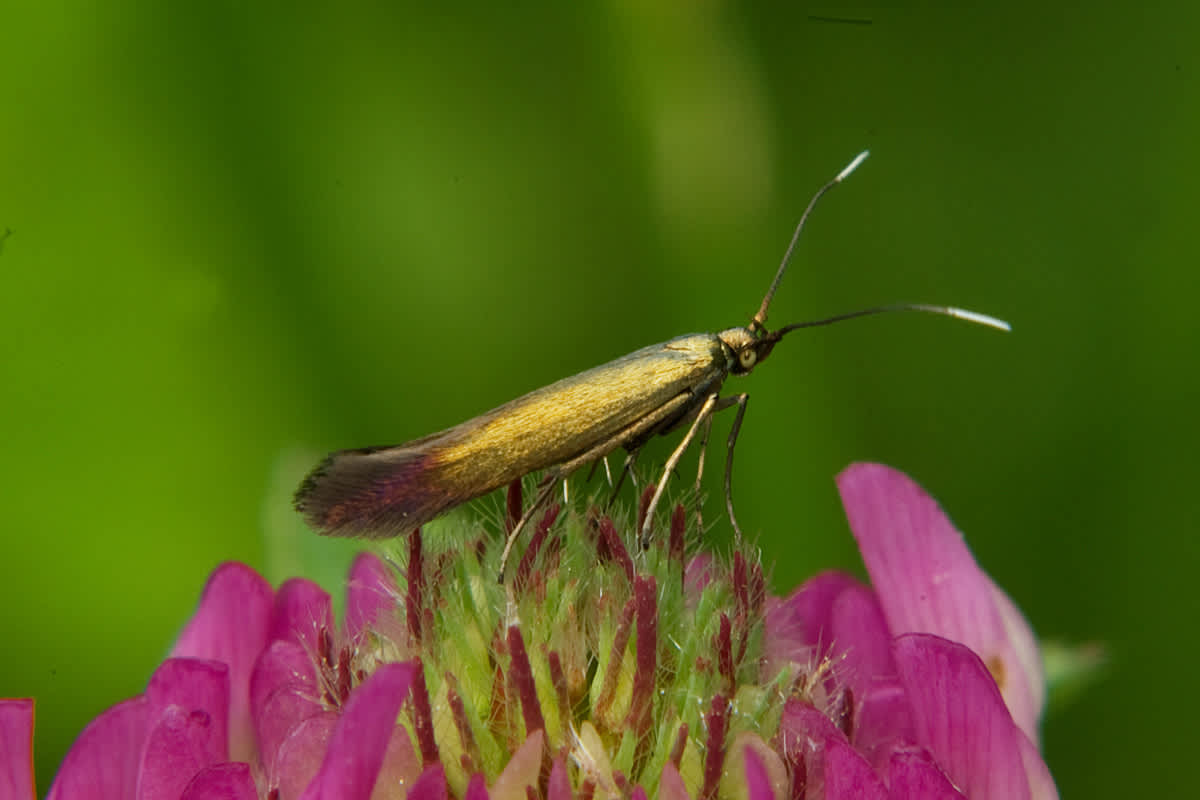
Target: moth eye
x=747, y=358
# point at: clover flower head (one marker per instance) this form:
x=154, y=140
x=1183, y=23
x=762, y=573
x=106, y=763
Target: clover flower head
x=596, y=670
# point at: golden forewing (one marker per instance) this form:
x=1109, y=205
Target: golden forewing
x=384, y=491
x=550, y=425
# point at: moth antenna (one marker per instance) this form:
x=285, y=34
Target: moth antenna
x=964, y=314
x=757, y=325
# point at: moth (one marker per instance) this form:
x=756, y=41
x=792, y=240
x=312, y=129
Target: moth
x=385, y=491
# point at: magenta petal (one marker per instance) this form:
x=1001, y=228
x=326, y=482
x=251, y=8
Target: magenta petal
x=229, y=781
x=860, y=636
x=1025, y=689
x=401, y=765
x=671, y=785
x=848, y=776
x=299, y=756
x=639, y=793
x=104, y=760
x=192, y=685
x=800, y=625
x=360, y=740
x=283, y=693
x=959, y=716
x=883, y=721
x=912, y=775
x=758, y=783
x=804, y=731
x=230, y=625
x=430, y=786
x=302, y=612
x=928, y=582
x=559, y=787
x=477, y=789
x=370, y=593
x=801, y=727
x=178, y=747
x=16, y=749
x=1041, y=782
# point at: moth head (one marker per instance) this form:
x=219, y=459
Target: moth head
x=746, y=349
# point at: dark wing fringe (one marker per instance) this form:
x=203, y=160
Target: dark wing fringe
x=375, y=492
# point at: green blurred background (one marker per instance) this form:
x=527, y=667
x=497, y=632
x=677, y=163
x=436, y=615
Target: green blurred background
x=241, y=236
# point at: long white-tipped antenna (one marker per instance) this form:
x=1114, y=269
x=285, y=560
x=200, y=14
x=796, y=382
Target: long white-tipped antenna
x=945, y=311
x=760, y=319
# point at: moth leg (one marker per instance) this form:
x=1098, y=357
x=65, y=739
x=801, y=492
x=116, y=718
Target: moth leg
x=626, y=470
x=740, y=400
x=628, y=467
x=704, y=413
x=595, y=466
x=543, y=497
x=630, y=433
x=722, y=404
x=607, y=471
